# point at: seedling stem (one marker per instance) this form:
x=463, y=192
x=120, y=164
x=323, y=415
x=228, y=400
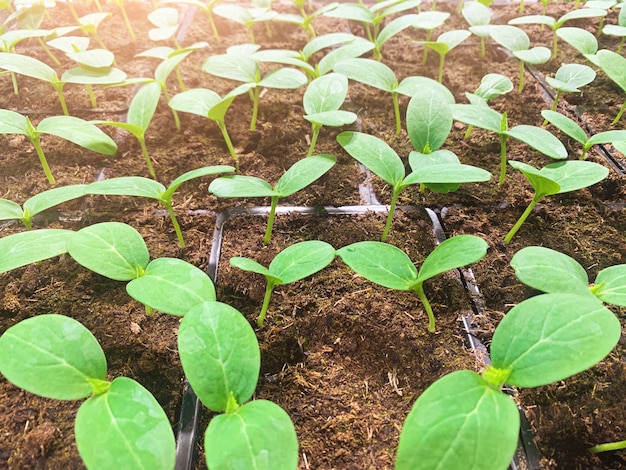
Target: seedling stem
x=396, y=111
x=266, y=302
x=392, y=209
x=229, y=144
x=536, y=198
x=270, y=221
x=419, y=290
x=43, y=161
x=315, y=132
x=619, y=115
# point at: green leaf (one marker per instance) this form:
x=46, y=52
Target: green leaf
x=143, y=105
x=303, y=173
x=493, y=85
x=611, y=285
x=565, y=124
x=510, y=37
x=549, y=271
x=395, y=26
x=28, y=66
x=127, y=186
x=570, y=77
x=332, y=118
x=608, y=137
x=246, y=264
x=257, y=435
x=536, y=55
x=21, y=249
x=551, y=337
x=381, y=263
x=326, y=93
x=165, y=68
x=325, y=41
x=13, y=123
x=534, y=19
x=52, y=356
x=424, y=171
x=10, y=210
x=233, y=67
x=284, y=79
x=429, y=20
x=172, y=286
x=368, y=71
x=452, y=253
x=375, y=154
x=84, y=75
x=125, y=427
x=574, y=174
x=111, y=249
x=428, y=119
x=580, y=39
x=241, y=186
x=197, y=173
x=410, y=86
x=540, y=183
x=478, y=116
x=196, y=101
x=80, y=132
x=219, y=353
x=351, y=11
x=53, y=197
x=539, y=139
x=459, y=423
x=94, y=58
x=355, y=48
x=301, y=260
x=476, y=14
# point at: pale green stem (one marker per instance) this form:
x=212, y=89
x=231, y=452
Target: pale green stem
x=42, y=159
x=503, y=138
x=600, y=26
x=555, y=44
x=16, y=90
x=556, y=101
x=179, y=77
x=255, y=107
x=213, y=26
x=27, y=220
x=268, y=29
x=523, y=217
x=45, y=47
x=251, y=33
x=92, y=96
x=266, y=302
x=608, y=446
x=98, y=5
x=621, y=44
x=146, y=156
x=229, y=144
x=584, y=152
x=442, y=58
x=315, y=132
x=392, y=209
x=73, y=11
x=619, y=115
x=174, y=113
x=396, y=112
x=468, y=132
x=422, y=188
x=521, y=6
x=482, y=47
x=425, y=55
x=521, y=76
x=270, y=220
x=99, y=40
x=179, y=233
x=149, y=310
x=59, y=89
x=127, y=22
x=419, y=290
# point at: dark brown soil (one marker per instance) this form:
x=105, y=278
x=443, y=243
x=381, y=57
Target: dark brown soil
x=345, y=358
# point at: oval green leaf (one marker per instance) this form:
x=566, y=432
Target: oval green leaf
x=303, y=173
x=21, y=249
x=301, y=260
x=452, y=253
x=610, y=285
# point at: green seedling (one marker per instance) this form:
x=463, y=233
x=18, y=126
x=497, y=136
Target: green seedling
x=569, y=78
x=22, y=249
x=89, y=24
x=491, y=120
x=207, y=7
x=54, y=356
x=240, y=64
x=573, y=130
x=556, y=178
x=464, y=421
x=518, y=43
x=491, y=86
x=478, y=16
x=140, y=114
x=372, y=19
x=70, y=128
x=390, y=267
x=129, y=28
x=143, y=187
x=618, y=30
x=553, y=272
x=10, y=39
x=166, y=25
x=246, y=16
x=207, y=103
x=40, y=202
x=305, y=19
x=555, y=24
x=444, y=44
x=608, y=446
x=220, y=355
x=300, y=175
x=322, y=100
x=117, y=251
x=430, y=170
x=614, y=66
x=580, y=39
x=297, y=261
x=380, y=76
x=429, y=21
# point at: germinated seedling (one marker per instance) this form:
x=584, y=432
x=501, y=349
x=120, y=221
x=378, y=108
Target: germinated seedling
x=478, y=16
x=305, y=19
x=465, y=421
x=556, y=178
x=444, y=44
x=220, y=355
x=390, y=267
x=569, y=127
x=301, y=174
x=40, y=202
x=552, y=272
x=618, y=30
x=569, y=78
x=240, y=64
x=22, y=249
x=322, y=100
x=385, y=163
x=429, y=21
x=491, y=86
x=614, y=66
x=117, y=251
x=246, y=16
x=70, y=128
x=517, y=41
x=206, y=7
x=54, y=356
x=89, y=24
x=209, y=104
x=294, y=263
x=487, y=118
x=144, y=187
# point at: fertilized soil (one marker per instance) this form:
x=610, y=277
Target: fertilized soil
x=344, y=357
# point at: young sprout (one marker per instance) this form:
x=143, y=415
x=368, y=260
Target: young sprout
x=70, y=128
x=554, y=24
x=569, y=127
x=220, y=356
x=10, y=39
x=478, y=16
x=241, y=64
x=390, y=267
x=618, y=30
x=305, y=19
x=144, y=187
x=322, y=100
x=429, y=21
x=54, y=356
x=614, y=66
x=24, y=248
x=444, y=44
x=517, y=41
x=301, y=174
x=539, y=341
x=552, y=272
x=89, y=24
x=487, y=118
x=246, y=16
x=556, y=178
x=491, y=86
x=207, y=103
x=294, y=263
x=38, y=203
x=433, y=170
x=569, y=78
